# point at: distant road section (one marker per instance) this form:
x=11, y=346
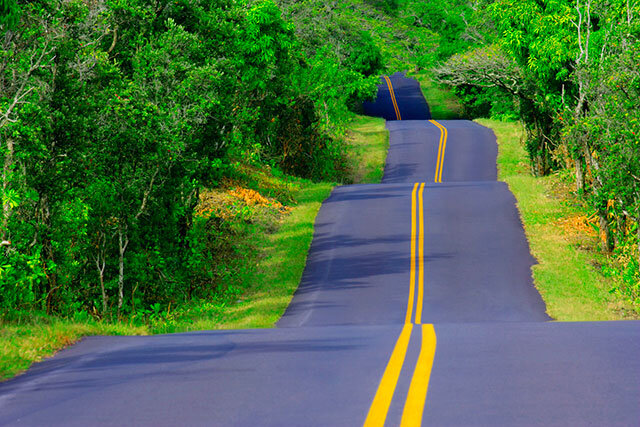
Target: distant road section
x=469, y=155
x=409, y=103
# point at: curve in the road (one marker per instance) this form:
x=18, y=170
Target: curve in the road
x=416, y=306
x=398, y=98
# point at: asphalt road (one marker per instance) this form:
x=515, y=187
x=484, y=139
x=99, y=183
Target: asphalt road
x=477, y=261
x=484, y=374
x=416, y=306
x=470, y=154
x=409, y=101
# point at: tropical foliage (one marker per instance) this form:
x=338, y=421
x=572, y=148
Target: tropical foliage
x=115, y=115
x=571, y=71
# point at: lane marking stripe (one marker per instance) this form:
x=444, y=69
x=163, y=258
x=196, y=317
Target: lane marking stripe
x=417, y=396
x=382, y=400
x=435, y=178
x=420, y=255
x=442, y=146
x=412, y=271
x=393, y=98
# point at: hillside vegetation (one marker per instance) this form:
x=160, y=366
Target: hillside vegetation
x=116, y=118
x=163, y=161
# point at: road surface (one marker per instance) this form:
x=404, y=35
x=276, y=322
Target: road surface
x=416, y=306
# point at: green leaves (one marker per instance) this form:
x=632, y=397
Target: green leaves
x=9, y=13
x=122, y=111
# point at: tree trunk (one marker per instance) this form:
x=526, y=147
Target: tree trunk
x=605, y=231
x=6, y=170
x=540, y=166
x=100, y=264
x=48, y=252
x=619, y=235
x=579, y=174
x=123, y=241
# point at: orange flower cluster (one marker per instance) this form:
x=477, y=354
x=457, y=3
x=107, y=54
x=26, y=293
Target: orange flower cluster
x=579, y=225
x=252, y=197
x=214, y=203
x=222, y=202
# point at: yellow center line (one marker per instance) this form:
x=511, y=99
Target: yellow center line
x=420, y=255
x=412, y=271
x=382, y=400
x=435, y=179
x=444, y=147
x=393, y=98
x=441, y=149
x=414, y=405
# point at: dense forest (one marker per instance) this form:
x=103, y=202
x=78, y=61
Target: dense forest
x=117, y=114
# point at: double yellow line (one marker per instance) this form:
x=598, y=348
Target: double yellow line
x=414, y=404
x=393, y=98
x=441, y=147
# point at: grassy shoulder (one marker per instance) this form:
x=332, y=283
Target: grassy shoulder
x=442, y=104
x=24, y=344
x=274, y=252
x=368, y=141
x=568, y=274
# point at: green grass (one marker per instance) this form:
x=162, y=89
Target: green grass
x=22, y=345
x=268, y=284
x=281, y=265
x=368, y=141
x=567, y=274
x=442, y=103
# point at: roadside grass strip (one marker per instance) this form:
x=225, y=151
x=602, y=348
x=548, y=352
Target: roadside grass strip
x=367, y=144
x=442, y=103
x=569, y=269
x=416, y=397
